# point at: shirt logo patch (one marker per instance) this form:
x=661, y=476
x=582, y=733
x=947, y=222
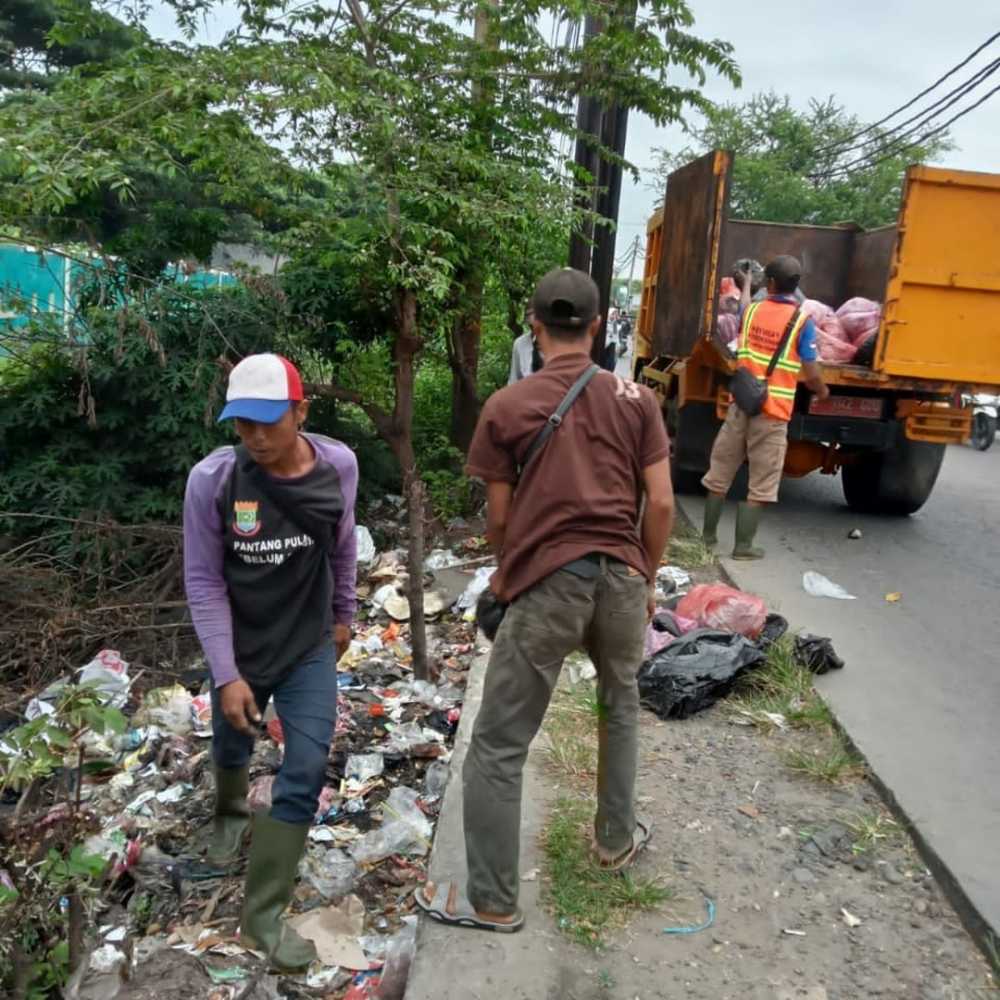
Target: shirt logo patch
x=246, y=523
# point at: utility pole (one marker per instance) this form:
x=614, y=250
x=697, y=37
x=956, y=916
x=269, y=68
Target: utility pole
x=631, y=273
x=588, y=126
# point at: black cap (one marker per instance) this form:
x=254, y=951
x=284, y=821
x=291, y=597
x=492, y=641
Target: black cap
x=784, y=268
x=567, y=299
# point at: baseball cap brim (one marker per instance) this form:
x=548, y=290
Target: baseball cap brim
x=261, y=411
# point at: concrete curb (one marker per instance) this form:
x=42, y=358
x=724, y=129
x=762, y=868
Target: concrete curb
x=460, y=964
x=983, y=934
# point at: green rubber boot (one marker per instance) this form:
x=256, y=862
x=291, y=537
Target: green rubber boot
x=710, y=528
x=232, y=815
x=275, y=852
x=747, y=519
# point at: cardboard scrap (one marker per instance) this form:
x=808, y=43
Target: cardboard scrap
x=335, y=931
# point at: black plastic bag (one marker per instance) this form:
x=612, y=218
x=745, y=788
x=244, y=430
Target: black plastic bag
x=816, y=653
x=695, y=671
x=774, y=628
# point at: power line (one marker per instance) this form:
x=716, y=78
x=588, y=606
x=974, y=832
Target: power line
x=909, y=104
x=926, y=115
x=920, y=141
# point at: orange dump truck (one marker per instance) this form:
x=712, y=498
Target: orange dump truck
x=884, y=428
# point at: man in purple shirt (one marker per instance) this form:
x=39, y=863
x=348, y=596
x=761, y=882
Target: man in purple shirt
x=269, y=568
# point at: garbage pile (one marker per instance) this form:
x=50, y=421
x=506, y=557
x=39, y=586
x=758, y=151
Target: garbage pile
x=700, y=643
x=147, y=794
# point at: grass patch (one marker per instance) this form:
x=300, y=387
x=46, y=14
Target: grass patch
x=571, y=728
x=832, y=763
x=689, y=553
x=586, y=900
x=781, y=687
x=871, y=830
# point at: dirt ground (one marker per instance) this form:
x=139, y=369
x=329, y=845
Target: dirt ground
x=794, y=859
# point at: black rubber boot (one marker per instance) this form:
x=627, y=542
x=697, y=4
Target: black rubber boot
x=275, y=852
x=232, y=815
x=710, y=527
x=747, y=519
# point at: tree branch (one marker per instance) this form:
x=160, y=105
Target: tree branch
x=382, y=420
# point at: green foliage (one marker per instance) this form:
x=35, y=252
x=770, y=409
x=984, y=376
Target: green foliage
x=787, y=162
x=109, y=431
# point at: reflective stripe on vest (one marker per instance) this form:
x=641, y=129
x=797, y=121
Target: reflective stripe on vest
x=763, y=327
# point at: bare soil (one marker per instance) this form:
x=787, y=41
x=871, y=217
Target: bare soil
x=794, y=859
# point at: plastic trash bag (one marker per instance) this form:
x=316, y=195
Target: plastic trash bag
x=476, y=586
x=859, y=318
x=774, y=628
x=718, y=606
x=366, y=545
x=663, y=629
x=404, y=830
x=694, y=672
x=817, y=585
x=107, y=673
x=398, y=958
x=440, y=559
x=168, y=708
x=816, y=653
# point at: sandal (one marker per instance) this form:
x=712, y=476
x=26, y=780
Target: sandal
x=451, y=906
x=640, y=838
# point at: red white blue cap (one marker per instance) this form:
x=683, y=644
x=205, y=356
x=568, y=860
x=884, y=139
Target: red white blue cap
x=261, y=388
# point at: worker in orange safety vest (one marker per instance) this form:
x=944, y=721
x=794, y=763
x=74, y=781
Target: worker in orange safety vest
x=762, y=440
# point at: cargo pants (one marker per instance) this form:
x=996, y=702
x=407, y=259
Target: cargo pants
x=606, y=616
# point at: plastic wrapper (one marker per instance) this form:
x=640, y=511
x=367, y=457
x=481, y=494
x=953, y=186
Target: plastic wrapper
x=404, y=830
x=364, y=766
x=694, y=672
x=331, y=872
x=436, y=779
x=718, y=606
x=663, y=629
x=440, y=559
x=728, y=325
x=817, y=585
x=398, y=958
x=168, y=708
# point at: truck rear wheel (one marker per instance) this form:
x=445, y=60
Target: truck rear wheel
x=692, y=431
x=897, y=481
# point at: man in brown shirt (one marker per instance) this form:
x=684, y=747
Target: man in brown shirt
x=578, y=553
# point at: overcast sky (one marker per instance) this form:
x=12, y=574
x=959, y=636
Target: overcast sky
x=871, y=55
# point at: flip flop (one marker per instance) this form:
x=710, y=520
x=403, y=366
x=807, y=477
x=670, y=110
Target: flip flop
x=640, y=838
x=464, y=914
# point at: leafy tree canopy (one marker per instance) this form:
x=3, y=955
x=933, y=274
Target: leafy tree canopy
x=790, y=164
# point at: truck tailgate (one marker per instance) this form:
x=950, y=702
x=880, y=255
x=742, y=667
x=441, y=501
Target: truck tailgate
x=942, y=309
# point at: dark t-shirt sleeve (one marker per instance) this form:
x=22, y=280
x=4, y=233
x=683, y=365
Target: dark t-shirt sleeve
x=489, y=457
x=654, y=446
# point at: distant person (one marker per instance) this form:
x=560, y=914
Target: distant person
x=577, y=564
x=525, y=358
x=762, y=440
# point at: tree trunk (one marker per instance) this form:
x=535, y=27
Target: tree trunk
x=415, y=563
x=405, y=348
x=466, y=335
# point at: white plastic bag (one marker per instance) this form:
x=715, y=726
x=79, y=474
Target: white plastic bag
x=107, y=673
x=817, y=585
x=476, y=586
x=366, y=545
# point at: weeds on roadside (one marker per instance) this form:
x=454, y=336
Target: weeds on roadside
x=588, y=901
x=833, y=764
x=871, y=830
x=571, y=728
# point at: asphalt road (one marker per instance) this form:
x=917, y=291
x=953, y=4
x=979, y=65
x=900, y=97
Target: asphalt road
x=920, y=695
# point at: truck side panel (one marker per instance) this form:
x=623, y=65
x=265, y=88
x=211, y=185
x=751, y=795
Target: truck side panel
x=870, y=262
x=942, y=312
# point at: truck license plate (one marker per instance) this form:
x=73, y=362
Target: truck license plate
x=864, y=407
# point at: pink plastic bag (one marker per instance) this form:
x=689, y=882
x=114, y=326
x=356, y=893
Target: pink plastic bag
x=859, y=318
x=714, y=605
x=817, y=311
x=834, y=347
x=729, y=329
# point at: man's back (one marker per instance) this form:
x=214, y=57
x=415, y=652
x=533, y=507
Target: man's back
x=581, y=492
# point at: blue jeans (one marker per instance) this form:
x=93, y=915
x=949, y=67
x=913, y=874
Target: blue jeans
x=306, y=702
